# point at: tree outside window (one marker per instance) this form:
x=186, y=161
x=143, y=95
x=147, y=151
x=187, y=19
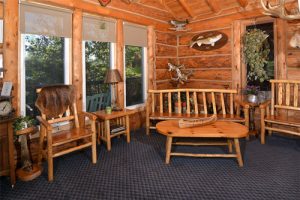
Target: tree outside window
x=44, y=65
x=134, y=75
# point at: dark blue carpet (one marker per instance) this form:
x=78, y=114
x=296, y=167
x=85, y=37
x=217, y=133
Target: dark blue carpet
x=137, y=171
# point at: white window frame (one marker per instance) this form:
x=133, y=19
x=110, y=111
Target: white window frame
x=67, y=71
x=145, y=79
x=112, y=66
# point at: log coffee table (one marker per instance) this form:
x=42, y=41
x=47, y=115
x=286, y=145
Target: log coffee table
x=219, y=129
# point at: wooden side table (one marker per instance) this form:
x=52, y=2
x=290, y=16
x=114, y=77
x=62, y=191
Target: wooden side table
x=118, y=118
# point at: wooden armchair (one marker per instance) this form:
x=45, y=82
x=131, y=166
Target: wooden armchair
x=281, y=113
x=61, y=132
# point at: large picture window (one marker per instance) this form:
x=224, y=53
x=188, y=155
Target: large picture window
x=97, y=62
x=45, y=50
x=44, y=65
x=134, y=67
x=135, y=39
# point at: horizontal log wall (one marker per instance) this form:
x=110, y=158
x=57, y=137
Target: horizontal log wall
x=166, y=51
x=293, y=55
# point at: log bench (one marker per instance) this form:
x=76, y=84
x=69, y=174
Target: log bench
x=281, y=113
x=199, y=103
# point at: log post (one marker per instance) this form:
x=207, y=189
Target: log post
x=120, y=62
x=11, y=45
x=151, y=50
x=77, y=56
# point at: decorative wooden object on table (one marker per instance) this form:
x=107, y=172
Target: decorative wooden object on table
x=224, y=105
x=28, y=171
x=57, y=105
x=117, y=118
x=7, y=160
x=220, y=129
x=186, y=123
x=281, y=113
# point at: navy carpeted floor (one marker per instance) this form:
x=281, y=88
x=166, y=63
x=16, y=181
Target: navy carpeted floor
x=137, y=171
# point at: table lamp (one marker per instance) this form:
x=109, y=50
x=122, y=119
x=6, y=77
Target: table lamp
x=113, y=77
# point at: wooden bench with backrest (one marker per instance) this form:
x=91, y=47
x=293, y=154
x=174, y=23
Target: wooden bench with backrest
x=281, y=113
x=200, y=103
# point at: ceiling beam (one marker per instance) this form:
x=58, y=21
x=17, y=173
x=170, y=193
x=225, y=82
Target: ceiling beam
x=214, y=5
x=163, y=3
x=243, y=3
x=187, y=8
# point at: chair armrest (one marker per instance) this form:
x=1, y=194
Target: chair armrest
x=89, y=115
x=265, y=104
x=242, y=103
x=44, y=123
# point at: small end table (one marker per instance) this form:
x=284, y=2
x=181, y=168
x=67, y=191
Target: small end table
x=121, y=118
x=29, y=170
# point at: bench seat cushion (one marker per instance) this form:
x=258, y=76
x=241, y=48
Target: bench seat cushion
x=284, y=120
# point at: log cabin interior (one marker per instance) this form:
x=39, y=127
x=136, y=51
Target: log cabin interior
x=134, y=64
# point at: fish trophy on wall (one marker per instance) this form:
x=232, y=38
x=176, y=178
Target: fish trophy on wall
x=104, y=2
x=209, y=41
x=181, y=74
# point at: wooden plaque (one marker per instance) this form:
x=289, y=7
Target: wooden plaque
x=208, y=47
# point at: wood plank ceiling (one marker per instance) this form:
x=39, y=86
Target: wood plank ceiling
x=193, y=10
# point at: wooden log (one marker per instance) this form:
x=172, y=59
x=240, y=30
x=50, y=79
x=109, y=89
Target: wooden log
x=120, y=62
x=166, y=38
x=151, y=56
x=281, y=48
x=10, y=54
x=77, y=75
x=166, y=50
x=204, y=62
x=106, y=11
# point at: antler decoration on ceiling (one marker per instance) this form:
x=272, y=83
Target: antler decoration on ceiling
x=279, y=10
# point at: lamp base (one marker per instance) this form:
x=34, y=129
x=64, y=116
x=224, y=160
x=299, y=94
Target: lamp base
x=116, y=108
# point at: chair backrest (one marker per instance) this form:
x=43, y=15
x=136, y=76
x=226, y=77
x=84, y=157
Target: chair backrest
x=219, y=100
x=57, y=103
x=285, y=95
x=97, y=102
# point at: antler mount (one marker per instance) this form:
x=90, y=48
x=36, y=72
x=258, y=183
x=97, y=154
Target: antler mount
x=279, y=10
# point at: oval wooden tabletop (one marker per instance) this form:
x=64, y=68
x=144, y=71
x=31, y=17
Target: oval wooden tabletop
x=218, y=129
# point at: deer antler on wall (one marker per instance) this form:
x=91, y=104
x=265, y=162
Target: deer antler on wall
x=279, y=10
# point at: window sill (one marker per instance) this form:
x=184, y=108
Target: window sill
x=140, y=106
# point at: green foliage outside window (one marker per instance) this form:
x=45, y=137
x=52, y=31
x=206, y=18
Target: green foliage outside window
x=44, y=64
x=97, y=61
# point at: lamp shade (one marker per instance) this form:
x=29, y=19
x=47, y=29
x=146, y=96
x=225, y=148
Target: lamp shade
x=112, y=76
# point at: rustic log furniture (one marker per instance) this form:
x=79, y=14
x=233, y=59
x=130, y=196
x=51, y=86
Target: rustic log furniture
x=7, y=161
x=281, y=113
x=57, y=106
x=118, y=118
x=198, y=104
x=28, y=171
x=219, y=129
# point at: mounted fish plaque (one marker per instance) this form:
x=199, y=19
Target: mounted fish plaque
x=209, y=41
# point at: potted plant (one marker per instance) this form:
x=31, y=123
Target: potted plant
x=252, y=92
x=23, y=123
x=256, y=50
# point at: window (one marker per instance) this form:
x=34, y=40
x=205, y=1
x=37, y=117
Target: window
x=97, y=61
x=135, y=39
x=45, y=50
x=134, y=68
x=99, y=36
